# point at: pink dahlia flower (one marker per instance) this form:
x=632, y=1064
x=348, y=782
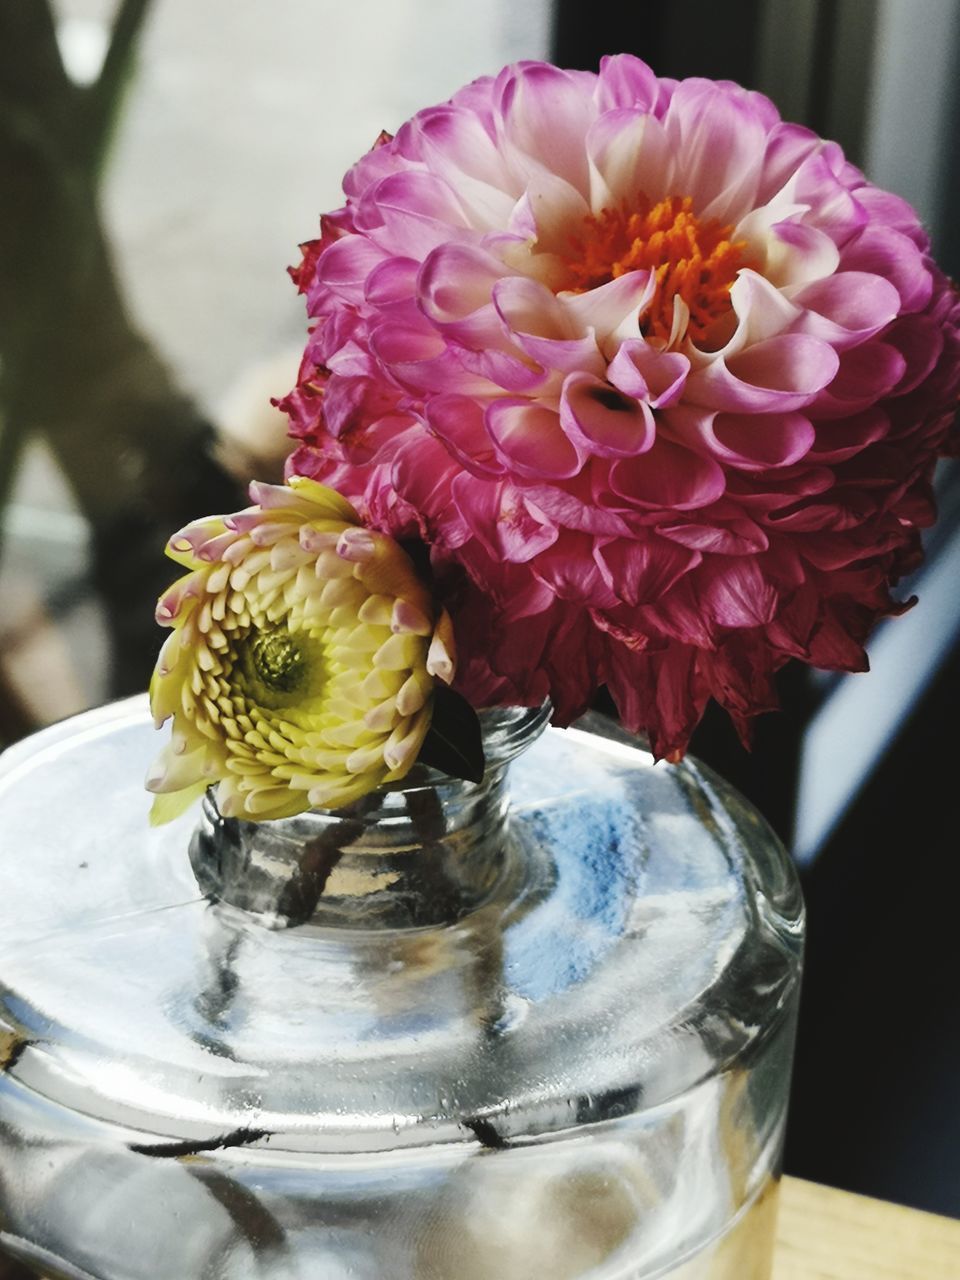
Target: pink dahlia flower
x=659, y=378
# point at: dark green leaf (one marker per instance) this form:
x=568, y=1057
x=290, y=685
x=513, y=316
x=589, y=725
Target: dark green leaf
x=454, y=744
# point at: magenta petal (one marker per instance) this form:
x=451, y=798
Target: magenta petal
x=848, y=307
x=611, y=305
x=546, y=113
x=718, y=140
x=574, y=506
x=422, y=362
x=602, y=420
x=866, y=373
x=482, y=332
x=529, y=307
x=844, y=437
x=799, y=253
x=343, y=402
x=411, y=213
x=622, y=144
x=778, y=375
x=378, y=162
x=575, y=355
x=457, y=148
x=669, y=476
x=452, y=136
x=393, y=344
x=625, y=81
x=530, y=439
x=568, y=568
x=555, y=207
x=502, y=521
x=393, y=281
x=893, y=211
x=735, y=593
x=832, y=207
x=421, y=475
x=743, y=538
x=542, y=329
x=456, y=280
x=641, y=371
x=893, y=255
x=504, y=369
x=344, y=267
x=755, y=442
x=788, y=145
x=640, y=572
x=457, y=421
x=921, y=343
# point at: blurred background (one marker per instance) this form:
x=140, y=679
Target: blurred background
x=160, y=162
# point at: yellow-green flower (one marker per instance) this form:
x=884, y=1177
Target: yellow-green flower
x=301, y=665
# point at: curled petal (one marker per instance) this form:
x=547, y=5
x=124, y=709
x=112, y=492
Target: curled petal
x=530, y=440
x=599, y=419
x=779, y=375
x=669, y=476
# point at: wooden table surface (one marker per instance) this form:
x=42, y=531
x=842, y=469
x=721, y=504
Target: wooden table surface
x=823, y=1234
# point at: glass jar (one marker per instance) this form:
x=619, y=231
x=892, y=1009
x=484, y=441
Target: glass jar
x=535, y=1029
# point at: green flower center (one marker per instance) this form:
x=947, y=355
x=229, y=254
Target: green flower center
x=278, y=668
x=278, y=660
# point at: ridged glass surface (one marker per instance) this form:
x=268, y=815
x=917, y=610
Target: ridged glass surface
x=451, y=1041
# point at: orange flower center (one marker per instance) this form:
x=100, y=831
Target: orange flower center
x=692, y=259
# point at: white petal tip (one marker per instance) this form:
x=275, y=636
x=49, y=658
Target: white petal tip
x=356, y=545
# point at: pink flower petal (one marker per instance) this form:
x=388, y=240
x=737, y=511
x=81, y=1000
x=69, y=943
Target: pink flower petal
x=545, y=113
x=741, y=538
x=668, y=477
x=778, y=375
x=600, y=419
x=630, y=155
x=640, y=572
x=529, y=307
x=556, y=208
x=575, y=506
x=612, y=309
x=625, y=81
x=718, y=142
x=391, y=283
x=641, y=371
x=847, y=308
x=411, y=213
x=458, y=422
x=843, y=438
x=571, y=572
x=460, y=151
x=530, y=439
x=344, y=267
x=754, y=441
x=735, y=593
x=798, y=254
x=455, y=281
x=866, y=373
x=421, y=361
x=506, y=525
x=882, y=251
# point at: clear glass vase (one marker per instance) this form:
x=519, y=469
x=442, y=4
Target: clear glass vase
x=536, y=1029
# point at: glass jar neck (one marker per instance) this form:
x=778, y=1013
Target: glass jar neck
x=424, y=852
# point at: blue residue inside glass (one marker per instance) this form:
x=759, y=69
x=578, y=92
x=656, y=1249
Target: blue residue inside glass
x=597, y=841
